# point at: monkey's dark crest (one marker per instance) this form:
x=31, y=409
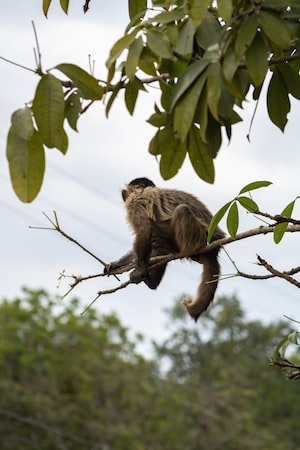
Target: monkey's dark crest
x=168, y=221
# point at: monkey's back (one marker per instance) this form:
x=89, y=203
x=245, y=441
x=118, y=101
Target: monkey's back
x=159, y=204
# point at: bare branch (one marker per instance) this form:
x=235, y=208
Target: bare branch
x=107, y=291
x=277, y=273
x=56, y=227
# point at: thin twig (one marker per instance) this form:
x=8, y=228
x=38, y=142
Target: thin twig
x=56, y=227
x=107, y=291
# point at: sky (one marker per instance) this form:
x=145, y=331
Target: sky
x=83, y=187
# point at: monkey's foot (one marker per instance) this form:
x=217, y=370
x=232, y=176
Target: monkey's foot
x=137, y=275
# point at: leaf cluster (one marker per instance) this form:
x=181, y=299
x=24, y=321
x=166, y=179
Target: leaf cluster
x=206, y=57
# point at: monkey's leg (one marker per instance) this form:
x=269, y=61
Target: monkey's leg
x=160, y=246
x=189, y=231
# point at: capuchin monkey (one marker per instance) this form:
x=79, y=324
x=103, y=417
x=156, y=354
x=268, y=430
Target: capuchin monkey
x=168, y=221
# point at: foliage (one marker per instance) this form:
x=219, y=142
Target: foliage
x=71, y=382
x=205, y=56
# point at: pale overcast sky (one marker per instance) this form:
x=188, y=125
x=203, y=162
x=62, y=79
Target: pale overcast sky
x=84, y=186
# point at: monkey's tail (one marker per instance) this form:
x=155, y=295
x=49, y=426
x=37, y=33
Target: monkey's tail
x=207, y=287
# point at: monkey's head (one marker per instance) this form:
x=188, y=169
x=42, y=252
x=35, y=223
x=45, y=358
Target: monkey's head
x=137, y=183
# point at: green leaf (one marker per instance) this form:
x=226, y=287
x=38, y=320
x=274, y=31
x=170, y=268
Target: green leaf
x=291, y=78
x=161, y=140
x=26, y=158
x=213, y=136
x=64, y=5
x=225, y=9
x=136, y=7
x=184, y=44
x=168, y=16
x=134, y=53
x=233, y=220
x=87, y=84
x=185, y=109
x=21, y=121
x=278, y=101
x=49, y=110
x=196, y=10
x=159, y=44
x=214, y=80
x=72, y=109
x=200, y=158
x=216, y=220
x=230, y=63
x=254, y=185
x=118, y=48
x=246, y=34
x=158, y=119
x=116, y=90
x=209, y=31
x=187, y=79
x=46, y=5
x=257, y=59
x=280, y=229
x=172, y=153
x=248, y=204
x=131, y=94
x=275, y=29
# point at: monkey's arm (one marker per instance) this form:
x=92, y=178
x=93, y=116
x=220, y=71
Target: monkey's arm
x=119, y=265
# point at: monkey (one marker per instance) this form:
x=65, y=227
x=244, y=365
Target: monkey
x=169, y=221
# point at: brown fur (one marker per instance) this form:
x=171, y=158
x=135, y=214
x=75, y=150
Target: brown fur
x=169, y=221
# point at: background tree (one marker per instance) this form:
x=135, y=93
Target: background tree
x=70, y=382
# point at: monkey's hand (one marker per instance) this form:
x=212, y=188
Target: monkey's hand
x=107, y=269
x=137, y=275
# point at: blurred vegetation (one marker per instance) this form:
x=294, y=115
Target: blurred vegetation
x=78, y=382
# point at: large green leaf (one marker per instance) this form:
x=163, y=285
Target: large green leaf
x=246, y=34
x=49, y=108
x=87, y=84
x=216, y=220
x=134, y=53
x=275, y=29
x=159, y=44
x=187, y=79
x=199, y=156
x=257, y=59
x=72, y=109
x=233, y=220
x=291, y=78
x=172, y=155
x=214, y=80
x=64, y=5
x=185, y=109
x=255, y=185
x=196, y=9
x=185, y=41
x=136, y=7
x=280, y=229
x=21, y=121
x=278, y=101
x=46, y=6
x=118, y=48
x=131, y=93
x=26, y=160
x=225, y=9
x=209, y=31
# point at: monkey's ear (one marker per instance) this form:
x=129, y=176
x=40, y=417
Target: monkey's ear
x=124, y=194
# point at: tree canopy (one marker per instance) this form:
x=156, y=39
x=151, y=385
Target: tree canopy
x=205, y=57
x=69, y=381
